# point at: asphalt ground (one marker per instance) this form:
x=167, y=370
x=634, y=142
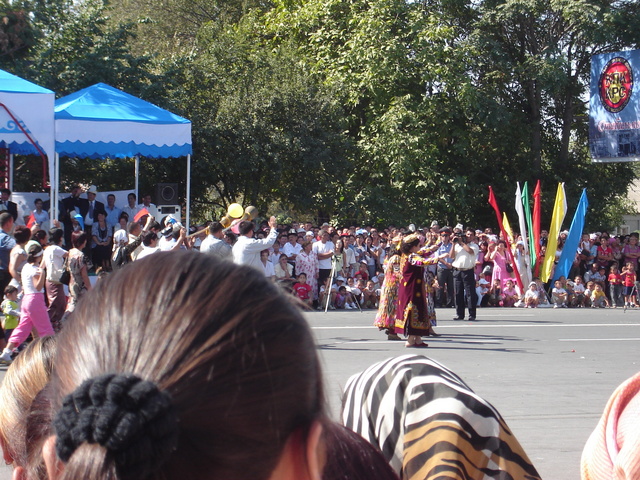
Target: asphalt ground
x=549, y=372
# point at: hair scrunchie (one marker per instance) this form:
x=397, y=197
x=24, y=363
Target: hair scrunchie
x=128, y=416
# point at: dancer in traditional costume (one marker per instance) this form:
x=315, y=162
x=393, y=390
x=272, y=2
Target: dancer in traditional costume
x=415, y=309
x=386, y=316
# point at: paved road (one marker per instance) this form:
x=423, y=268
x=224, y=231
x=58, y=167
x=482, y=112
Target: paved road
x=549, y=372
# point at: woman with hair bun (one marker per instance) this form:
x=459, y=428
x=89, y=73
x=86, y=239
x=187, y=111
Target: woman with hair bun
x=415, y=310
x=195, y=368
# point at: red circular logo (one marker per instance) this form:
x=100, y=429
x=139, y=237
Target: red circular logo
x=616, y=84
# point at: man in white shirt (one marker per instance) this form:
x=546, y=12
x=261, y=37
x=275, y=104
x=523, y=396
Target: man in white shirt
x=246, y=250
x=131, y=208
x=149, y=245
x=324, y=250
x=214, y=243
x=464, y=253
x=292, y=248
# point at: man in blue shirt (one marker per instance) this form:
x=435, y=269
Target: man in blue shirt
x=445, y=295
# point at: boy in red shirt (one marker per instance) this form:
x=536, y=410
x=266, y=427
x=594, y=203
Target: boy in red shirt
x=629, y=278
x=303, y=289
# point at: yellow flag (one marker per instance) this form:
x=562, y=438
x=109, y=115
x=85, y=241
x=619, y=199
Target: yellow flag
x=559, y=211
x=507, y=228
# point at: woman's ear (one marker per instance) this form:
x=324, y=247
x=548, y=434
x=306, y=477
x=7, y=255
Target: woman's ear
x=18, y=474
x=54, y=465
x=301, y=459
x=5, y=454
x=316, y=451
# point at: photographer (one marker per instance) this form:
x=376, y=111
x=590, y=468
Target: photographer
x=464, y=253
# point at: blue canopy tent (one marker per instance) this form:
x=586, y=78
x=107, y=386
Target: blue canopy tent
x=103, y=122
x=26, y=120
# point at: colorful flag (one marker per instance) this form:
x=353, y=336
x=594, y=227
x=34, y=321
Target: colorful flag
x=537, y=194
x=31, y=221
x=141, y=214
x=559, y=212
x=573, y=239
x=522, y=221
x=507, y=227
x=527, y=212
x=494, y=204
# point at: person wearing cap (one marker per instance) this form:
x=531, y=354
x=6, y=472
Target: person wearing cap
x=33, y=309
x=292, y=248
x=445, y=294
x=482, y=291
x=532, y=296
x=94, y=207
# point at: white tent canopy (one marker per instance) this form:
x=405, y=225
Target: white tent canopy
x=103, y=122
x=26, y=119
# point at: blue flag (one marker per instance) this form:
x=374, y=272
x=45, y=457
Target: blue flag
x=573, y=239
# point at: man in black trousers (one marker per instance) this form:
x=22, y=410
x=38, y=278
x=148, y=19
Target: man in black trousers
x=464, y=254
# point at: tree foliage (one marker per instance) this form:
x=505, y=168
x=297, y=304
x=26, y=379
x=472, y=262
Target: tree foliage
x=360, y=110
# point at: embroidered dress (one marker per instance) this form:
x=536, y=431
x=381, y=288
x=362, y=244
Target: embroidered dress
x=386, y=316
x=415, y=310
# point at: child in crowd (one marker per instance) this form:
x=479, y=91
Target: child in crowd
x=588, y=292
x=628, y=276
x=303, y=290
x=559, y=295
x=495, y=294
x=11, y=310
x=578, y=292
x=615, y=286
x=600, y=276
x=598, y=298
x=354, y=291
x=509, y=294
x=531, y=297
x=482, y=289
x=363, y=272
x=340, y=300
x=370, y=296
x=569, y=287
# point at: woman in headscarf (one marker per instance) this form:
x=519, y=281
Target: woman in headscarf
x=415, y=311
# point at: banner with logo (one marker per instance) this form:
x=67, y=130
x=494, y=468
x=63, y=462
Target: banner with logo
x=614, y=107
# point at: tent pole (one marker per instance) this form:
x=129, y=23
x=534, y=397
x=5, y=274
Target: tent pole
x=11, y=172
x=55, y=189
x=188, y=213
x=137, y=157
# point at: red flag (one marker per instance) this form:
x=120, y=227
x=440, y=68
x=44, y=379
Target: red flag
x=537, y=194
x=494, y=204
x=31, y=221
x=141, y=214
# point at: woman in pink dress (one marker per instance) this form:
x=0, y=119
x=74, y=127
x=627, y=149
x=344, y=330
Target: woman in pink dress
x=307, y=262
x=498, y=254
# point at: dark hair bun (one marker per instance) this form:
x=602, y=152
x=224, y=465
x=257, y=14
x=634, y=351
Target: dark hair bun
x=128, y=416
